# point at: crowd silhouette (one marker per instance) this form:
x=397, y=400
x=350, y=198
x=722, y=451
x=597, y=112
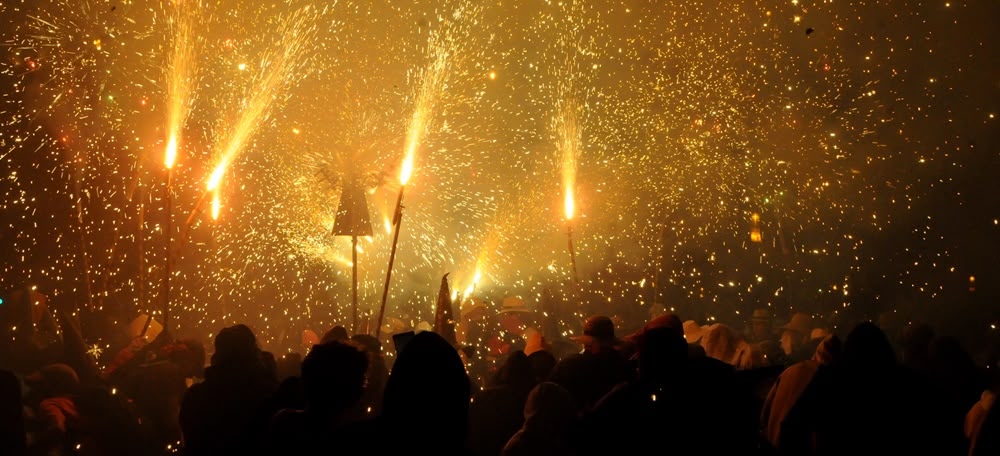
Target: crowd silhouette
x=672, y=387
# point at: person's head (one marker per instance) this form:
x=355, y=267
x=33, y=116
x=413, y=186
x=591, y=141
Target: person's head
x=335, y=334
x=598, y=335
x=796, y=332
x=829, y=350
x=868, y=348
x=549, y=410
x=516, y=372
x=234, y=344
x=760, y=324
x=370, y=343
x=542, y=363
x=661, y=350
x=720, y=342
x=428, y=378
x=333, y=376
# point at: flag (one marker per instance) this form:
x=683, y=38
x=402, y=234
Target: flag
x=444, y=320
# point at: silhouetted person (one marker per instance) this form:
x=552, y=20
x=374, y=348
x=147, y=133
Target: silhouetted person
x=788, y=387
x=588, y=376
x=542, y=363
x=549, y=416
x=867, y=404
x=335, y=334
x=426, y=403
x=222, y=414
x=333, y=379
x=12, y=431
x=497, y=412
x=689, y=404
x=371, y=401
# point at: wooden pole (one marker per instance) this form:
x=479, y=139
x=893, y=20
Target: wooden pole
x=354, y=284
x=397, y=218
x=168, y=264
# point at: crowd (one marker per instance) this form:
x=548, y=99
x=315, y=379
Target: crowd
x=672, y=387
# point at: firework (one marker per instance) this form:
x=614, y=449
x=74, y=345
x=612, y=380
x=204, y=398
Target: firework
x=668, y=129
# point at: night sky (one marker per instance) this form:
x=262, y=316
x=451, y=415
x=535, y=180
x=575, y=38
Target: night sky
x=863, y=134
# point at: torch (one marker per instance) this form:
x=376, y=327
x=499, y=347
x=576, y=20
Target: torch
x=169, y=160
x=569, y=234
x=404, y=176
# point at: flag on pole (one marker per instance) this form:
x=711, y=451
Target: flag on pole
x=444, y=320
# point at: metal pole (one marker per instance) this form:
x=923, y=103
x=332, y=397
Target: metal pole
x=397, y=218
x=354, y=284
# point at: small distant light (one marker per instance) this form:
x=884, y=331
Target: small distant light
x=493, y=75
x=653, y=397
x=242, y=66
x=296, y=131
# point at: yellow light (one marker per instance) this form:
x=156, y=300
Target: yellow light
x=568, y=204
x=171, y=155
x=407, y=169
x=493, y=75
x=216, y=206
x=217, y=173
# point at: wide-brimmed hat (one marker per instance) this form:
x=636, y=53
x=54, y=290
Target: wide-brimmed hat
x=667, y=320
x=800, y=322
x=693, y=332
x=513, y=304
x=598, y=328
x=472, y=309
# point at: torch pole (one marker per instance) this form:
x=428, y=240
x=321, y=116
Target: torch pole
x=397, y=218
x=354, y=284
x=168, y=266
x=572, y=253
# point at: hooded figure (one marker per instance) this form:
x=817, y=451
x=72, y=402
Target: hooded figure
x=548, y=417
x=496, y=413
x=789, y=387
x=426, y=403
x=724, y=344
x=865, y=404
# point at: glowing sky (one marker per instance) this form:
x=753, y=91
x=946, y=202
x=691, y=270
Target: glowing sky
x=863, y=133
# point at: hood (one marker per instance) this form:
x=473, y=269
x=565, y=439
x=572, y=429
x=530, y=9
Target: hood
x=549, y=409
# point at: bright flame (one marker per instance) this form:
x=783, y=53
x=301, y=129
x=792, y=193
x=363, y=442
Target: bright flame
x=407, y=170
x=432, y=83
x=171, y=155
x=282, y=68
x=216, y=206
x=568, y=205
x=568, y=134
x=475, y=282
x=180, y=72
